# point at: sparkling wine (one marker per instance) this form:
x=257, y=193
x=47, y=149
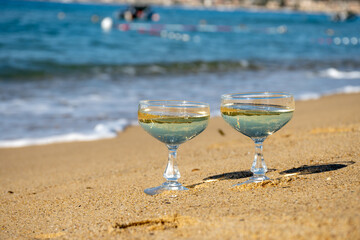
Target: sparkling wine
x=173, y=129
x=256, y=120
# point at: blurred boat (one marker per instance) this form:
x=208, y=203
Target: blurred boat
x=344, y=16
x=139, y=12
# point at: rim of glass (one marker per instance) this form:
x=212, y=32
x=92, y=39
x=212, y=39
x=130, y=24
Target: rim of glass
x=173, y=103
x=256, y=95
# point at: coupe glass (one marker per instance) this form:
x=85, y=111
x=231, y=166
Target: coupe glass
x=173, y=123
x=257, y=115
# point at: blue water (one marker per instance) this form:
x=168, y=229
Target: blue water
x=64, y=78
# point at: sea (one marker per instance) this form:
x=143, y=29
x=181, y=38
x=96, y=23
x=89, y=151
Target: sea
x=76, y=72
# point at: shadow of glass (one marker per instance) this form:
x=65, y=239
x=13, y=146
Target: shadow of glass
x=233, y=175
x=318, y=168
x=230, y=175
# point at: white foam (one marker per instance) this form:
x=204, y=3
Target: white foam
x=101, y=131
x=347, y=90
x=308, y=96
x=313, y=96
x=70, y=137
x=336, y=74
x=215, y=112
x=111, y=127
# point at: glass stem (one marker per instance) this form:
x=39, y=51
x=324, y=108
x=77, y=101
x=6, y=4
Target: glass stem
x=171, y=173
x=259, y=167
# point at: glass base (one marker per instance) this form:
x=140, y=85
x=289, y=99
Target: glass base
x=166, y=186
x=253, y=179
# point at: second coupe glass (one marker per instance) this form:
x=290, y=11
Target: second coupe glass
x=257, y=115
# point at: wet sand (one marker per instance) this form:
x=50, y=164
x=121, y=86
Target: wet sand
x=94, y=190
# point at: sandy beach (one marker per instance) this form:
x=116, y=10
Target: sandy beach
x=94, y=190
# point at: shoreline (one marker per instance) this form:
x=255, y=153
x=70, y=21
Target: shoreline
x=94, y=190
x=92, y=136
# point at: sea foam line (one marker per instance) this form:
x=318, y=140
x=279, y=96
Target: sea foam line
x=336, y=74
x=101, y=131
x=342, y=90
x=111, y=129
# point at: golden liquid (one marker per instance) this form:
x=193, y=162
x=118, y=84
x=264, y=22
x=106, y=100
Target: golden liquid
x=256, y=121
x=173, y=129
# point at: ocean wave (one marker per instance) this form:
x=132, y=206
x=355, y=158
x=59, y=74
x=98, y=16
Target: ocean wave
x=49, y=70
x=313, y=96
x=308, y=96
x=100, y=131
x=337, y=74
x=346, y=90
x=46, y=70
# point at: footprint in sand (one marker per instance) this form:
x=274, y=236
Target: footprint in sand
x=162, y=223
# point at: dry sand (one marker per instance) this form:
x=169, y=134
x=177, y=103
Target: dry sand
x=94, y=190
